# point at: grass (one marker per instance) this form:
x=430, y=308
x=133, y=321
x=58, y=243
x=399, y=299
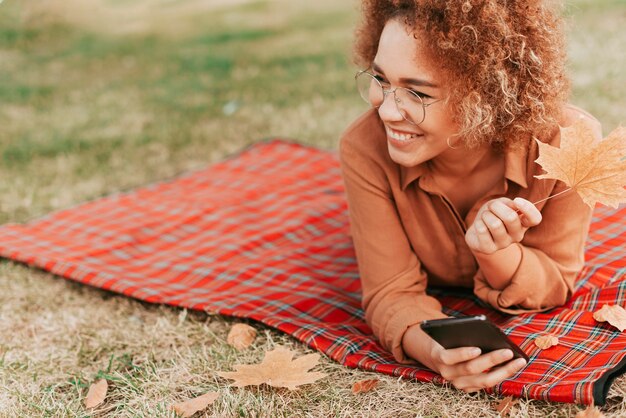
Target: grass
x=120, y=94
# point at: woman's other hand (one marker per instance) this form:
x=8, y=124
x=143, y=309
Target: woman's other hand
x=500, y=223
x=466, y=368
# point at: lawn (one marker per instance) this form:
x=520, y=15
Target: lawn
x=106, y=96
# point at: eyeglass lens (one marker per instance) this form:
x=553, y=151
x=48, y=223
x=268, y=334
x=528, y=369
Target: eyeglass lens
x=409, y=105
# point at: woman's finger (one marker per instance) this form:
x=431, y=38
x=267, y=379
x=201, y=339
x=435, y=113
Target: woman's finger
x=484, y=238
x=497, y=230
x=454, y=356
x=491, y=378
x=509, y=217
x=486, y=361
x=530, y=214
x=471, y=390
x=504, y=372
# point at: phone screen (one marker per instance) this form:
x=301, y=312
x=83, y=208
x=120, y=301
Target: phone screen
x=472, y=331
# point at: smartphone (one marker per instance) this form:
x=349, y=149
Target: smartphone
x=470, y=331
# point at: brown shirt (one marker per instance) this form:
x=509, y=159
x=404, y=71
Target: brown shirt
x=407, y=234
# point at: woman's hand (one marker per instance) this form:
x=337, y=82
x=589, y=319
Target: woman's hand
x=500, y=223
x=466, y=369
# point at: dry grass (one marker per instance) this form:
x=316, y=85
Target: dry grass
x=64, y=336
x=103, y=96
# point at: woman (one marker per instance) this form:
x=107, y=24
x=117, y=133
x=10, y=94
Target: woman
x=439, y=174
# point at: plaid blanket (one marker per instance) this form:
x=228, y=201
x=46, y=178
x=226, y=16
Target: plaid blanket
x=264, y=235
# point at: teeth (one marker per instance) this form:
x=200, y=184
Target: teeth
x=399, y=136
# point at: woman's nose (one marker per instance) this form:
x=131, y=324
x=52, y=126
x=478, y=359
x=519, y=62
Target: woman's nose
x=388, y=110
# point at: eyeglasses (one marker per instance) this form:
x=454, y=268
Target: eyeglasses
x=409, y=103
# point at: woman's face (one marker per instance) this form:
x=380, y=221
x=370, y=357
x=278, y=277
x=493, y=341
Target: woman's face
x=402, y=61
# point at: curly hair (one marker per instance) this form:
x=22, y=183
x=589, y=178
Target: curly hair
x=503, y=61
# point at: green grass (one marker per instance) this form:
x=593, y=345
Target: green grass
x=108, y=100
x=104, y=100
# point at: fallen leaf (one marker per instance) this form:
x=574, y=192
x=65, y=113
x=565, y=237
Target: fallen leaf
x=96, y=393
x=546, y=341
x=191, y=406
x=505, y=405
x=241, y=336
x=613, y=314
x=277, y=369
x=591, y=412
x=363, y=386
x=595, y=169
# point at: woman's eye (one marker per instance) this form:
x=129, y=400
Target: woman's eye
x=380, y=79
x=420, y=94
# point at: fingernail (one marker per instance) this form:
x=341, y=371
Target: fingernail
x=520, y=362
x=520, y=202
x=507, y=354
x=475, y=352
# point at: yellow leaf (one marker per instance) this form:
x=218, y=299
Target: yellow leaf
x=613, y=314
x=241, y=336
x=96, y=394
x=363, y=386
x=191, y=406
x=546, y=341
x=277, y=369
x=595, y=169
x=590, y=412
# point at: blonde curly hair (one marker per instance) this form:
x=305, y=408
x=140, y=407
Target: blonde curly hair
x=503, y=61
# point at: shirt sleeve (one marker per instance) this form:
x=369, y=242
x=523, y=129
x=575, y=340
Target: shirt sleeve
x=552, y=256
x=393, y=283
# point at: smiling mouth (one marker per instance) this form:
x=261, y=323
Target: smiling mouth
x=401, y=136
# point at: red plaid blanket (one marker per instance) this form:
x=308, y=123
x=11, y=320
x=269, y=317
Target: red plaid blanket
x=264, y=235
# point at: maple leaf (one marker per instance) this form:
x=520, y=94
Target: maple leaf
x=595, y=169
x=590, y=412
x=363, y=386
x=546, y=341
x=241, y=336
x=277, y=369
x=505, y=406
x=191, y=406
x=96, y=393
x=613, y=314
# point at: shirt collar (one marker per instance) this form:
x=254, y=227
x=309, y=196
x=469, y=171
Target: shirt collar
x=515, y=165
x=409, y=174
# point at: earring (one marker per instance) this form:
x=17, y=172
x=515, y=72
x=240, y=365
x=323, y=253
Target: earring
x=450, y=146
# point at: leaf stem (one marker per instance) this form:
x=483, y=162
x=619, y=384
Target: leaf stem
x=550, y=197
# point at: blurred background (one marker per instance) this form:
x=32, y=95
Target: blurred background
x=99, y=96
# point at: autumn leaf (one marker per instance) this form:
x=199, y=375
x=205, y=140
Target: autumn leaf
x=96, y=394
x=191, y=406
x=546, y=341
x=613, y=314
x=277, y=369
x=241, y=336
x=595, y=169
x=504, y=407
x=363, y=386
x=590, y=412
